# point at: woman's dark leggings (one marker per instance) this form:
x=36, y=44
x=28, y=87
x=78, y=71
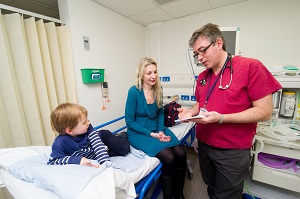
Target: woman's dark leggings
x=171, y=159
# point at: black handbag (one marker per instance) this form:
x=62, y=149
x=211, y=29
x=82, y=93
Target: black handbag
x=171, y=113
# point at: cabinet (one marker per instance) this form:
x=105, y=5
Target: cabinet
x=278, y=177
x=285, y=178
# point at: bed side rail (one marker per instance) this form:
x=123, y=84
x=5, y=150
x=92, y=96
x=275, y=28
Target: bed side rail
x=110, y=122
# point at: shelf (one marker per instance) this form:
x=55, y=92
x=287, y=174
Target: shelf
x=286, y=179
x=289, y=81
x=276, y=178
x=279, y=150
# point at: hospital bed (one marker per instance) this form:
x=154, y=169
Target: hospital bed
x=111, y=182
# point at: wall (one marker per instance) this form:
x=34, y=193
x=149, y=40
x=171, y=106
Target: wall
x=269, y=31
x=116, y=45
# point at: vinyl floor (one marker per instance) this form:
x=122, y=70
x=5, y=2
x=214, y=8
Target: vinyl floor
x=196, y=188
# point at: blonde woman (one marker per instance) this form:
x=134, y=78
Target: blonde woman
x=146, y=131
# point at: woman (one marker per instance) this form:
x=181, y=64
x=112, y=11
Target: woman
x=146, y=131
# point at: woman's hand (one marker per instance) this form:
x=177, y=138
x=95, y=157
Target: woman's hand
x=161, y=136
x=164, y=137
x=86, y=162
x=155, y=135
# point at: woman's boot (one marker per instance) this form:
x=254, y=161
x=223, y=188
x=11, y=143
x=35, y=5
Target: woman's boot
x=179, y=183
x=167, y=187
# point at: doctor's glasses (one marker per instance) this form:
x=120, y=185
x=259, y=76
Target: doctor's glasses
x=200, y=52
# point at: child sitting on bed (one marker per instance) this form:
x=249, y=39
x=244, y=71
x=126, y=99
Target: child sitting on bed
x=78, y=142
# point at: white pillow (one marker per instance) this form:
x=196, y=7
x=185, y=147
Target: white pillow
x=24, y=169
x=8, y=156
x=56, y=178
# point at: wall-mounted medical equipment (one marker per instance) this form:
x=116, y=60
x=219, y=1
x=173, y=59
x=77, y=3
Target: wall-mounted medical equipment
x=288, y=104
x=92, y=75
x=104, y=89
x=105, y=97
x=232, y=38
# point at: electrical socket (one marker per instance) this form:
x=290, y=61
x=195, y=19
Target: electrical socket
x=193, y=98
x=165, y=78
x=185, y=97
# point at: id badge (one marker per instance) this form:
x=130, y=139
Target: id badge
x=202, y=110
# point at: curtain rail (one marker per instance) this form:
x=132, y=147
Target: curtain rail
x=25, y=12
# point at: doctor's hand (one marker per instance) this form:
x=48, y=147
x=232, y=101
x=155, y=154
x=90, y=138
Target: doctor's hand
x=184, y=113
x=211, y=117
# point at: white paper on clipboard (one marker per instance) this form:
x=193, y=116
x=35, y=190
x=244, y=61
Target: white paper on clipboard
x=188, y=118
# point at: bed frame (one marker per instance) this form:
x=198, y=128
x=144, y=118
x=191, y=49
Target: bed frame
x=142, y=187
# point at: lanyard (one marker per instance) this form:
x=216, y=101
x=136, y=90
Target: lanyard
x=210, y=90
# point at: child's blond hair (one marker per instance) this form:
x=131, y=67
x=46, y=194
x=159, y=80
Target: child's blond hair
x=66, y=115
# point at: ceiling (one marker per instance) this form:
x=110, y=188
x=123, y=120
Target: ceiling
x=140, y=11
x=44, y=7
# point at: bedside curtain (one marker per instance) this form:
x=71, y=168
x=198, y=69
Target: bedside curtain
x=36, y=74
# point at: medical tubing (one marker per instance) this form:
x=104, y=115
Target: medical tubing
x=194, y=145
x=261, y=145
x=188, y=57
x=191, y=68
x=282, y=129
x=281, y=142
x=246, y=187
x=276, y=162
x=279, y=162
x=296, y=169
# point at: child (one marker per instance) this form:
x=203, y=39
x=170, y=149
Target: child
x=78, y=142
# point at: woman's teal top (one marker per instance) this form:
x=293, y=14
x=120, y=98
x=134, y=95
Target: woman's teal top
x=142, y=119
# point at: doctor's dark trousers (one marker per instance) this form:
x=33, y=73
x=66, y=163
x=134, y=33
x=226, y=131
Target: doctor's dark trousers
x=223, y=170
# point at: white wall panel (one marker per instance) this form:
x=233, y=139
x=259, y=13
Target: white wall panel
x=116, y=45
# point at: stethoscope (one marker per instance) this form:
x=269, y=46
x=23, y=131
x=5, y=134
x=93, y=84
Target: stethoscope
x=229, y=58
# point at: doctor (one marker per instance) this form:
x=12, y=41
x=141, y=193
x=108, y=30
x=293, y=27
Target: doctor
x=234, y=93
